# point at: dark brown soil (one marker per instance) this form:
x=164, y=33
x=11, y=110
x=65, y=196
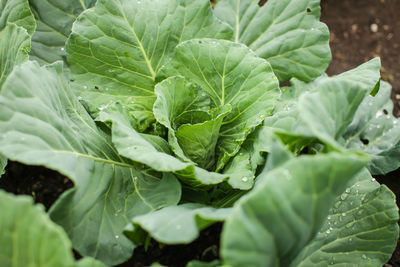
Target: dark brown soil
x=364, y=29
x=205, y=248
x=44, y=185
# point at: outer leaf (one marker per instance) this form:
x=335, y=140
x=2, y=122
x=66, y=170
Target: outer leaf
x=17, y=12
x=89, y=262
x=16, y=26
x=134, y=146
x=3, y=164
x=14, y=48
x=327, y=113
x=376, y=131
x=28, y=237
x=285, y=32
x=361, y=229
x=179, y=224
x=54, y=19
x=230, y=74
x=270, y=225
x=120, y=46
x=42, y=123
x=325, y=108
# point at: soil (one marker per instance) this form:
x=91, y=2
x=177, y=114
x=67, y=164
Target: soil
x=360, y=30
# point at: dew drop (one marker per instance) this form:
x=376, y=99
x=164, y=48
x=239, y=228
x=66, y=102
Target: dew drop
x=62, y=48
x=378, y=114
x=80, y=98
x=347, y=190
x=378, y=126
x=117, y=236
x=350, y=239
x=343, y=196
x=245, y=179
x=373, y=180
x=364, y=256
x=329, y=217
x=344, y=214
x=85, y=87
x=328, y=232
x=203, y=94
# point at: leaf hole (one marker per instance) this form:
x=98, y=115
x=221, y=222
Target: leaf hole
x=385, y=112
x=96, y=87
x=308, y=10
x=365, y=141
x=262, y=2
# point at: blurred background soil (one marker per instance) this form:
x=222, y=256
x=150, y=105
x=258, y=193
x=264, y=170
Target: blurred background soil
x=361, y=30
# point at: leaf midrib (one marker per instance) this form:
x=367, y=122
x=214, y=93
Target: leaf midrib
x=141, y=48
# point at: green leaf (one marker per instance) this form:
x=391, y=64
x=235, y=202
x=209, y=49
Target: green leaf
x=323, y=109
x=42, y=123
x=287, y=33
x=16, y=26
x=199, y=140
x=89, y=262
x=242, y=167
x=179, y=224
x=179, y=102
x=195, y=263
x=327, y=112
x=361, y=228
x=376, y=131
x=28, y=237
x=15, y=44
x=270, y=225
x=18, y=13
x=134, y=146
x=193, y=126
x=120, y=47
x=230, y=73
x=54, y=22
x=3, y=164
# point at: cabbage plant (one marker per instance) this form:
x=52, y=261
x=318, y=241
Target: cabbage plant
x=169, y=116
